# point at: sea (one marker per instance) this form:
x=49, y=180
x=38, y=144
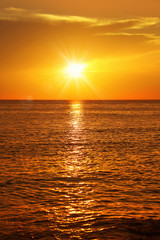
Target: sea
x=79, y=170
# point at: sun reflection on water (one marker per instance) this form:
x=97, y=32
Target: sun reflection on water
x=74, y=189
x=76, y=115
x=75, y=136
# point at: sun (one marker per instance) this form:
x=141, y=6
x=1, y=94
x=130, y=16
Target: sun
x=75, y=70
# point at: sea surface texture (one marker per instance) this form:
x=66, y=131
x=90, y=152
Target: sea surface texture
x=80, y=170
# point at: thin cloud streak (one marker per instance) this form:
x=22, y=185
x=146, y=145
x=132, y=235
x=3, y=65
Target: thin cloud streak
x=18, y=14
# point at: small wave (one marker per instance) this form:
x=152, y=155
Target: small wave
x=95, y=228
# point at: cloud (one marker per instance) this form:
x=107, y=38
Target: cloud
x=147, y=36
x=146, y=28
x=142, y=27
x=17, y=14
x=110, y=24
x=146, y=21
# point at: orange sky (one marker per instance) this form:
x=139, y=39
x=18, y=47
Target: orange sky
x=119, y=41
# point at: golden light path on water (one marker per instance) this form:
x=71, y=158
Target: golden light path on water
x=75, y=136
x=76, y=200
x=75, y=165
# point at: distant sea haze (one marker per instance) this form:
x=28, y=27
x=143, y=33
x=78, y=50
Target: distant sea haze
x=80, y=170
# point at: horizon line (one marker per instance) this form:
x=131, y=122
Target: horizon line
x=30, y=100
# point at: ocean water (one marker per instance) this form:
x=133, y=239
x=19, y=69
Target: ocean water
x=80, y=170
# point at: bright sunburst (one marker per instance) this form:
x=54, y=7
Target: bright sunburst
x=75, y=70
x=75, y=76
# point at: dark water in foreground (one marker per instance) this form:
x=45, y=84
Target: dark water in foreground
x=80, y=170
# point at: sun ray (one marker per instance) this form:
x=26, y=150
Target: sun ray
x=87, y=82
x=63, y=88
